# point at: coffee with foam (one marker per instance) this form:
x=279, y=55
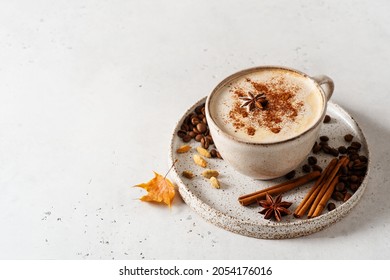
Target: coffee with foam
x=293, y=105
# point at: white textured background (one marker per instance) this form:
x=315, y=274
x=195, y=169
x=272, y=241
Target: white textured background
x=91, y=90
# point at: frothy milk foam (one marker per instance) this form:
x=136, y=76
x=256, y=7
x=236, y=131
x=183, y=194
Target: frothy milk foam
x=294, y=105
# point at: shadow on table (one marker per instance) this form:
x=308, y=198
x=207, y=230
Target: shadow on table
x=372, y=209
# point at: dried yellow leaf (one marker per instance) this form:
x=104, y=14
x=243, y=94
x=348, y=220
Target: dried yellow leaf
x=202, y=151
x=200, y=161
x=215, y=183
x=183, y=149
x=188, y=174
x=210, y=173
x=159, y=189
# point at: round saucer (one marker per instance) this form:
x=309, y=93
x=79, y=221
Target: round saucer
x=221, y=207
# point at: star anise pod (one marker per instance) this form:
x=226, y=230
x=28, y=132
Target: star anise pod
x=252, y=101
x=274, y=207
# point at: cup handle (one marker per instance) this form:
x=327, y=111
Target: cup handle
x=328, y=85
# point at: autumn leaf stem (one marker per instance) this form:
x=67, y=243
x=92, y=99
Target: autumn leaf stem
x=169, y=170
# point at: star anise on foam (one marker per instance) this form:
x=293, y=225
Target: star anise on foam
x=258, y=101
x=274, y=207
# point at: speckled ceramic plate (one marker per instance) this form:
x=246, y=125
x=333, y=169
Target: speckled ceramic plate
x=221, y=207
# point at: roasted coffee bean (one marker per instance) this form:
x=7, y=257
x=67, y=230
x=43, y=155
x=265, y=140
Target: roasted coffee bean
x=192, y=134
x=363, y=159
x=353, y=156
x=187, y=120
x=354, y=179
x=199, y=108
x=347, y=196
x=211, y=141
x=326, y=149
x=181, y=133
x=195, y=127
x=184, y=127
x=327, y=119
x=203, y=110
x=354, y=187
x=343, y=178
x=322, y=143
x=356, y=145
x=198, y=137
x=324, y=138
x=331, y=206
x=350, y=165
x=344, y=170
x=351, y=150
x=360, y=166
x=195, y=120
x=342, y=150
x=360, y=173
x=219, y=155
x=290, y=175
x=334, y=152
x=306, y=168
x=312, y=160
x=340, y=187
x=316, y=148
x=187, y=138
x=338, y=196
x=205, y=142
x=213, y=153
x=348, y=137
x=201, y=127
x=316, y=167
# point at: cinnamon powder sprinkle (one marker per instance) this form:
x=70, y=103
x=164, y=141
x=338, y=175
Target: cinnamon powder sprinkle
x=239, y=93
x=281, y=106
x=251, y=131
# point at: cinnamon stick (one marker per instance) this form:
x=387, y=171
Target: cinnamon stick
x=273, y=187
x=325, y=185
x=321, y=205
x=302, y=208
x=278, y=189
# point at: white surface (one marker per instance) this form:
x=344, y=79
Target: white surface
x=91, y=90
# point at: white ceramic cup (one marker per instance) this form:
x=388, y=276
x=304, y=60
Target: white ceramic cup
x=271, y=160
